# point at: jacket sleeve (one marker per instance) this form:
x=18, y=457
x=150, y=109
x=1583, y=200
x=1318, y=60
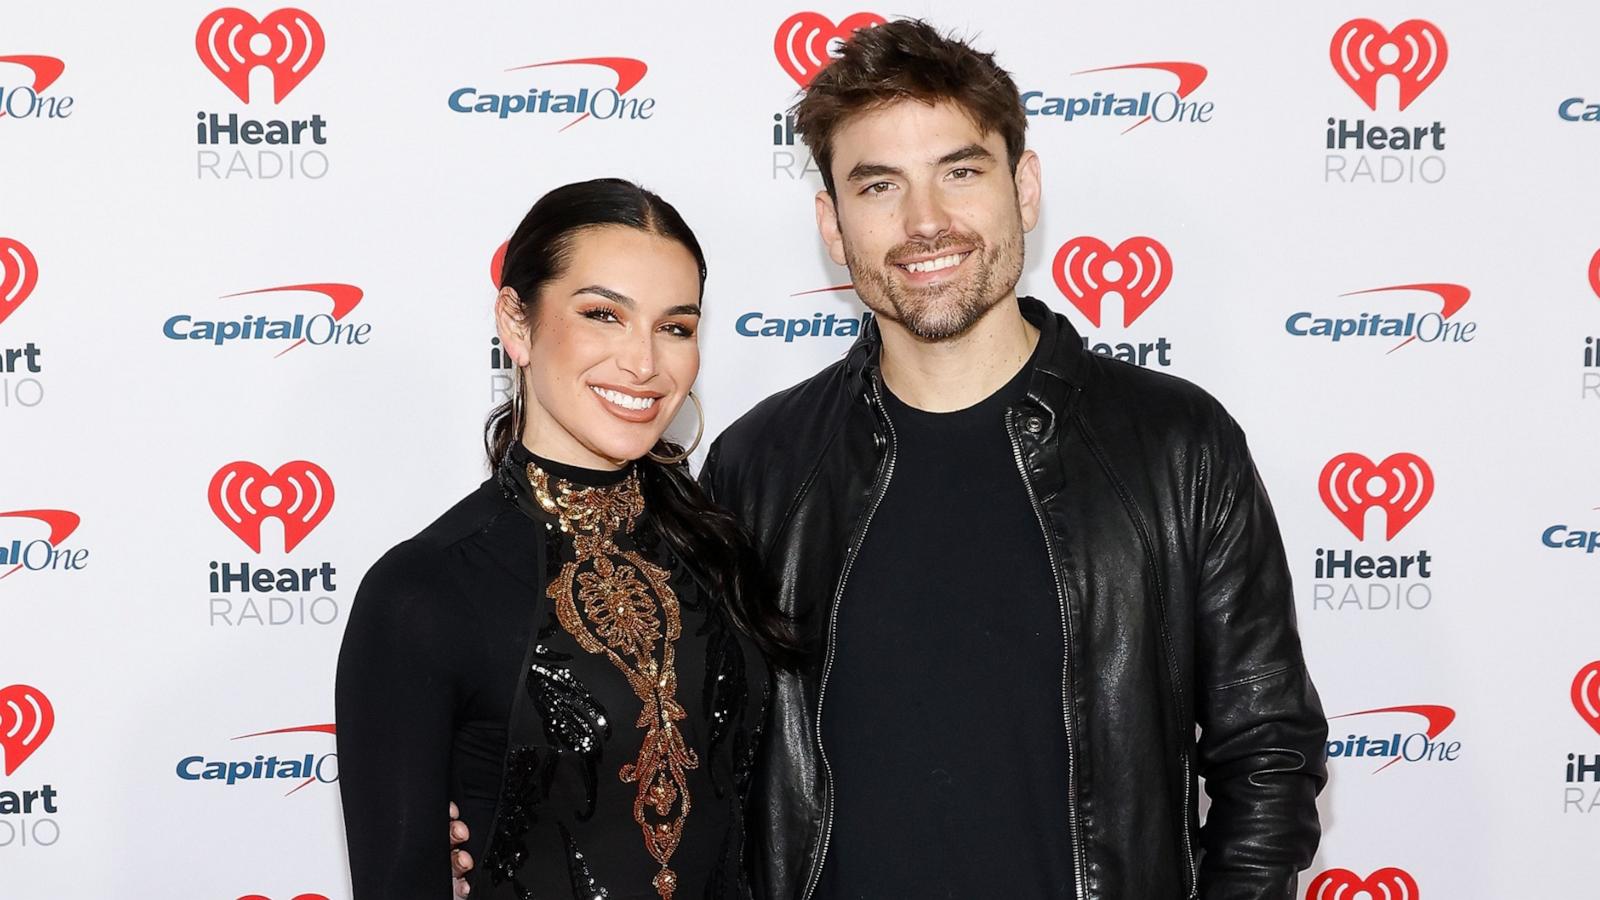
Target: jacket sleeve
x=394, y=707
x=1262, y=730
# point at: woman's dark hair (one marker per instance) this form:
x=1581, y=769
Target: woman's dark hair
x=705, y=535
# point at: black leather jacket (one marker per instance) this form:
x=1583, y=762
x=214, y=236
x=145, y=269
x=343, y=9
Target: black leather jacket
x=1175, y=600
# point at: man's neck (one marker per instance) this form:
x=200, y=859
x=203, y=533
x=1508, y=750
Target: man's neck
x=943, y=376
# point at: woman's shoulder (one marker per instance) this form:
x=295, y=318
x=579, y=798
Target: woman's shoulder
x=427, y=560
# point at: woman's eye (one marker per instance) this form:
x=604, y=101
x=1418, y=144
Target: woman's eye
x=677, y=330
x=600, y=314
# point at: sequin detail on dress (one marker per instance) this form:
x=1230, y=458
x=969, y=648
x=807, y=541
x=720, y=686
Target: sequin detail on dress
x=574, y=722
x=617, y=603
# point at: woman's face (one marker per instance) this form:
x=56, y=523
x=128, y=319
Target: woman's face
x=612, y=350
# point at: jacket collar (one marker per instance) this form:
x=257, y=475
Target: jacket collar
x=1061, y=366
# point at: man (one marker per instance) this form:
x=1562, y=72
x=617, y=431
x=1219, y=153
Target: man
x=1032, y=571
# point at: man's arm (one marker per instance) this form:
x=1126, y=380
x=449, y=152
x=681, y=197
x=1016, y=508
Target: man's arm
x=1262, y=730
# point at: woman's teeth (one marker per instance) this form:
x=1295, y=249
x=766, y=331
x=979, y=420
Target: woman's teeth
x=934, y=265
x=626, y=401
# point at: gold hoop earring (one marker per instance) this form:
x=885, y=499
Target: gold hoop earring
x=699, y=433
x=518, y=402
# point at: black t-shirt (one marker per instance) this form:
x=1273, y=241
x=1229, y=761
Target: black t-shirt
x=942, y=720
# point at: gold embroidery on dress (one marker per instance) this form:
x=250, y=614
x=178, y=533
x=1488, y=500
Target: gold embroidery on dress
x=627, y=607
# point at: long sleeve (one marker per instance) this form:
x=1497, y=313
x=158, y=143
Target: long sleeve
x=394, y=705
x=1262, y=728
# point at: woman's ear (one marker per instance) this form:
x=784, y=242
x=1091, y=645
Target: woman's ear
x=512, y=326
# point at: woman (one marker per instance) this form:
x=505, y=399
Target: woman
x=573, y=652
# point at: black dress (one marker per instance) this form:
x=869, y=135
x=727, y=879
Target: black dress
x=539, y=656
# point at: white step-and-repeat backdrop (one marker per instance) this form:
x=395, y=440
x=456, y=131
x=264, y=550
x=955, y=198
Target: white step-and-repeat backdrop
x=260, y=241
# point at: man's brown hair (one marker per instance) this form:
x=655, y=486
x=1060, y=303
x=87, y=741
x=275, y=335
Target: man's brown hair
x=908, y=59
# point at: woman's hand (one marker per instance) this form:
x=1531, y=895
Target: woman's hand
x=460, y=860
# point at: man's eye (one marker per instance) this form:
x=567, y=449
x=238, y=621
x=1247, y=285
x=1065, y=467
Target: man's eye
x=963, y=172
x=877, y=187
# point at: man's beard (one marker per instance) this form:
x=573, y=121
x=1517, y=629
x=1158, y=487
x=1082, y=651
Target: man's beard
x=947, y=310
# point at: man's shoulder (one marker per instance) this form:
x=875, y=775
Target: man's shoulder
x=762, y=463
x=791, y=419
x=1154, y=400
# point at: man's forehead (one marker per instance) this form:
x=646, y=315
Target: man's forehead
x=913, y=131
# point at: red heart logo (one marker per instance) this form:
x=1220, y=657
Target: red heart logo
x=18, y=275
x=801, y=43
x=1586, y=694
x=1385, y=884
x=1594, y=273
x=26, y=719
x=1357, y=56
x=290, y=48
x=304, y=496
x=1401, y=486
x=1144, y=269
x=497, y=263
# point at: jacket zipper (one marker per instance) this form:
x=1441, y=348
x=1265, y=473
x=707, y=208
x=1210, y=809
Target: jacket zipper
x=879, y=489
x=1188, y=796
x=1074, y=831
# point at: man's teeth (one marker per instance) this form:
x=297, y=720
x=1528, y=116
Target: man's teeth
x=626, y=401
x=934, y=265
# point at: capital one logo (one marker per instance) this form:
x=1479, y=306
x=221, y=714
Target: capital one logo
x=1143, y=106
x=803, y=42
x=320, y=330
x=232, y=43
x=44, y=553
x=606, y=103
x=1086, y=269
x=1351, y=483
x=26, y=102
x=1385, y=884
x=19, y=273
x=1413, y=746
x=26, y=719
x=1363, y=52
x=298, y=494
x=1586, y=694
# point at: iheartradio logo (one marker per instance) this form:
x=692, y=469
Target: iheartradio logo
x=1385, y=884
x=26, y=719
x=1594, y=276
x=1586, y=694
x=243, y=495
x=803, y=41
x=19, y=273
x=1364, y=51
x=232, y=43
x=1086, y=269
x=1351, y=483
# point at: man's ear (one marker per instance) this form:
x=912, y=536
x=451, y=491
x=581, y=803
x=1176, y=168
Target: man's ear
x=512, y=326
x=828, y=227
x=1029, y=189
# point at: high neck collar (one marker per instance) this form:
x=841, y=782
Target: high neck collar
x=520, y=456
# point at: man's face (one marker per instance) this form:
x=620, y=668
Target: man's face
x=928, y=216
